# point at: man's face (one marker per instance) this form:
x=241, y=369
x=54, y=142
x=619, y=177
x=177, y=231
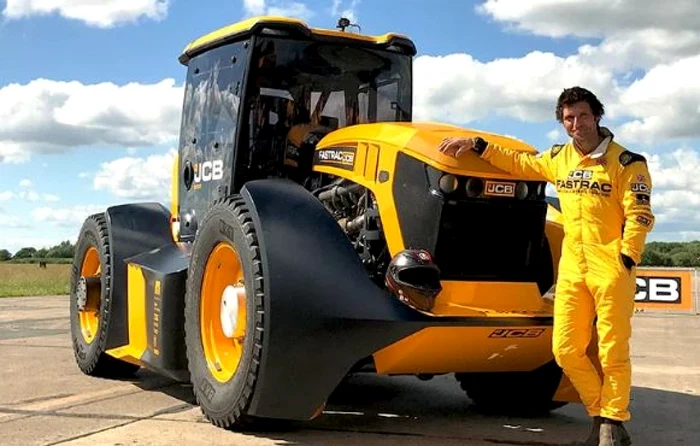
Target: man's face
x=579, y=121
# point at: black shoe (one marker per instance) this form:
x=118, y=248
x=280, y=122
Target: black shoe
x=613, y=434
x=592, y=439
x=595, y=433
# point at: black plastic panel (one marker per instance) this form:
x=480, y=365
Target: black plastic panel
x=133, y=229
x=165, y=270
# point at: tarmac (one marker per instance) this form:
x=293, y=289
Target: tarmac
x=46, y=400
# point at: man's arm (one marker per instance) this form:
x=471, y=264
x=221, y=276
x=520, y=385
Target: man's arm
x=521, y=164
x=635, y=199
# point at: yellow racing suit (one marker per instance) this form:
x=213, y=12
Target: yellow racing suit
x=606, y=210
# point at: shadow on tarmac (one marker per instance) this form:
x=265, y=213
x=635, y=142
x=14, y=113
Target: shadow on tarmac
x=407, y=411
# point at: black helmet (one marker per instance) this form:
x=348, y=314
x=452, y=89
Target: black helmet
x=414, y=278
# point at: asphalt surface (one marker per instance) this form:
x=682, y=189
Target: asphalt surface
x=45, y=400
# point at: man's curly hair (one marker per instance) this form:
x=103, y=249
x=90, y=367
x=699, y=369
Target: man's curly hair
x=573, y=95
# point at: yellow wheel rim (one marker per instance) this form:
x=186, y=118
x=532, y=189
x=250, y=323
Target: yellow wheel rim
x=90, y=315
x=223, y=312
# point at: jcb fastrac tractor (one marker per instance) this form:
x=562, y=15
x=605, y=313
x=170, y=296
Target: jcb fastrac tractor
x=315, y=232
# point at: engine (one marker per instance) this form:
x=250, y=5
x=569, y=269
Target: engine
x=355, y=209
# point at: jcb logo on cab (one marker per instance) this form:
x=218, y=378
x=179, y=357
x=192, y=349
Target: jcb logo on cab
x=208, y=171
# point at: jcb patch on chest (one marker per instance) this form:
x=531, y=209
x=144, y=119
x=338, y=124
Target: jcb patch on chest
x=584, y=181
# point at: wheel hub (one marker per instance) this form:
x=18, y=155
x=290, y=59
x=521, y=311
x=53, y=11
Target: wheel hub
x=81, y=293
x=229, y=309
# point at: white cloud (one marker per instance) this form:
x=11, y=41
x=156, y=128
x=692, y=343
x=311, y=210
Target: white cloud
x=25, y=183
x=633, y=32
x=666, y=103
x=71, y=217
x=6, y=196
x=347, y=10
x=676, y=192
x=457, y=88
x=101, y=14
x=554, y=135
x=137, y=178
x=254, y=7
x=46, y=116
x=28, y=195
x=278, y=8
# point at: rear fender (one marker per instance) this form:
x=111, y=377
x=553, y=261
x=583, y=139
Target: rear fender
x=133, y=229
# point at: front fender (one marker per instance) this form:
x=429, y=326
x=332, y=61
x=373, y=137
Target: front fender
x=322, y=312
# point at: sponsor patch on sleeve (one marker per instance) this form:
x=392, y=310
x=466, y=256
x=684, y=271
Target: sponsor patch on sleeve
x=644, y=220
x=643, y=199
x=639, y=187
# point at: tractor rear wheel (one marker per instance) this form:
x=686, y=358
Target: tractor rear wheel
x=224, y=313
x=90, y=302
x=514, y=393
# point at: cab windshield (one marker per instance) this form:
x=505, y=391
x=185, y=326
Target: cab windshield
x=329, y=84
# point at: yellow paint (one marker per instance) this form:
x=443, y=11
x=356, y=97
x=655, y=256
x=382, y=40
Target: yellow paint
x=174, y=186
x=223, y=355
x=421, y=141
x=137, y=318
x=175, y=200
x=464, y=349
x=89, y=318
x=384, y=141
x=371, y=162
x=502, y=299
x=245, y=26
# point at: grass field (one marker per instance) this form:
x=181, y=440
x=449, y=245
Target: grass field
x=30, y=280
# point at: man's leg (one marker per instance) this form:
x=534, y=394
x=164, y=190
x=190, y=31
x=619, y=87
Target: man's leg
x=614, y=297
x=574, y=312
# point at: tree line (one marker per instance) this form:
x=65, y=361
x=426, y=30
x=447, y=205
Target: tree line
x=679, y=254
x=62, y=251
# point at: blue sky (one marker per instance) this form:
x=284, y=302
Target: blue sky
x=90, y=95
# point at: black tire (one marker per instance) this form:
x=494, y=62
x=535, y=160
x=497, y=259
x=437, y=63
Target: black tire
x=225, y=404
x=90, y=356
x=514, y=393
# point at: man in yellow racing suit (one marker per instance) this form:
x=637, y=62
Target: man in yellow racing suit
x=604, y=191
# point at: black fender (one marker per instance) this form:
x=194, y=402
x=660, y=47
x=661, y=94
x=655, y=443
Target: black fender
x=133, y=229
x=323, y=314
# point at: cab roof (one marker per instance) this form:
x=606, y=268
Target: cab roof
x=271, y=24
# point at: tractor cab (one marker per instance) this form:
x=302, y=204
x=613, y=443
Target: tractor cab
x=261, y=93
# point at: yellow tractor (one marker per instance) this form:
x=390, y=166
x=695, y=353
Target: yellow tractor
x=315, y=232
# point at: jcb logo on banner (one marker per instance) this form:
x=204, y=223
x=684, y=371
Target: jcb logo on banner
x=658, y=289
x=669, y=289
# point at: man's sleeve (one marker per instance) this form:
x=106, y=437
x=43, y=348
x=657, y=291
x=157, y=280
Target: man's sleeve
x=520, y=164
x=635, y=198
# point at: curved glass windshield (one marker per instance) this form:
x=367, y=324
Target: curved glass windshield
x=298, y=91
x=330, y=84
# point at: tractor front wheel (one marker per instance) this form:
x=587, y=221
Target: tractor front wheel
x=224, y=313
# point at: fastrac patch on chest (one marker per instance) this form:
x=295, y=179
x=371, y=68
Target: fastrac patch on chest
x=589, y=181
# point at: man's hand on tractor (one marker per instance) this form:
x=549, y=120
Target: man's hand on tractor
x=456, y=146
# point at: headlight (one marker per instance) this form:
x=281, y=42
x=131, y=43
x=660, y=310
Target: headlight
x=448, y=183
x=474, y=187
x=521, y=190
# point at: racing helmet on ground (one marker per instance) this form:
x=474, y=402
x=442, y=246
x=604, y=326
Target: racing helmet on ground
x=414, y=278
